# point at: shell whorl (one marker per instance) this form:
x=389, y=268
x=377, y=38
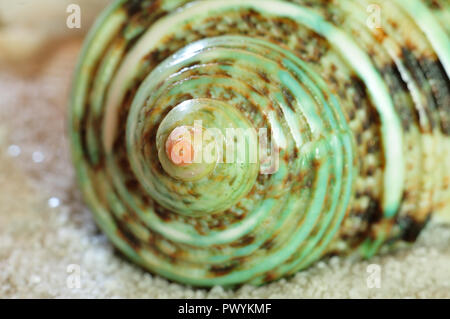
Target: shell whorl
x=359, y=120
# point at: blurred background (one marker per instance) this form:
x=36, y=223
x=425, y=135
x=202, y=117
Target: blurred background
x=37, y=57
x=49, y=244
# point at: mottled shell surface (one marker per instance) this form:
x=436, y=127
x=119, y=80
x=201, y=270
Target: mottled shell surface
x=356, y=96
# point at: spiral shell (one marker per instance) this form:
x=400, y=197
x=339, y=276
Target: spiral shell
x=358, y=115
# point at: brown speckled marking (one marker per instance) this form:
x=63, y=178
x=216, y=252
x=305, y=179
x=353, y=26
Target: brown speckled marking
x=289, y=98
x=222, y=270
x=268, y=244
x=263, y=76
x=163, y=213
x=128, y=236
x=411, y=227
x=244, y=241
x=416, y=71
x=133, y=6
x=440, y=86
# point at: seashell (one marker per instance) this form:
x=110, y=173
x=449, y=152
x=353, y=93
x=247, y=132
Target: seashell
x=354, y=116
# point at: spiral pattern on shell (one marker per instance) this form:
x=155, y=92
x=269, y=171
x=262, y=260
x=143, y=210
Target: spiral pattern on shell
x=358, y=116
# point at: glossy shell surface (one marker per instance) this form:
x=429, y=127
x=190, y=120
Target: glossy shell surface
x=358, y=106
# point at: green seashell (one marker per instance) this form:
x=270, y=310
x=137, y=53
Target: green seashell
x=354, y=116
